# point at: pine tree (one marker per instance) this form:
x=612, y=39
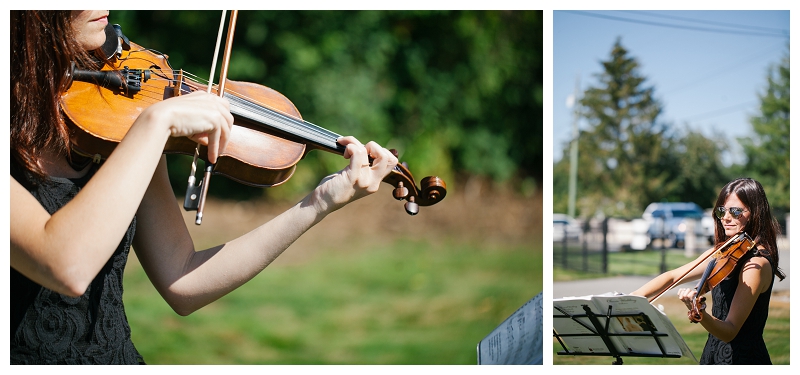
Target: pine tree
x=626, y=159
x=768, y=152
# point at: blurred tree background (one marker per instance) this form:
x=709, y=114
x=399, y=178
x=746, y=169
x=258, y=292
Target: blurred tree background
x=768, y=152
x=628, y=157
x=457, y=93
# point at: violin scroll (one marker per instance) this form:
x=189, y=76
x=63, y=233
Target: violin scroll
x=432, y=191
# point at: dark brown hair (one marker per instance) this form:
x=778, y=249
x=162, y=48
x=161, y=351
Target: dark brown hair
x=43, y=47
x=762, y=226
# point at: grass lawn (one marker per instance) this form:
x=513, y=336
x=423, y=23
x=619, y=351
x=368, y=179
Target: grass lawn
x=392, y=299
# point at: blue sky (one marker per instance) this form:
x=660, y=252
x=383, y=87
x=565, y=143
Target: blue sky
x=705, y=80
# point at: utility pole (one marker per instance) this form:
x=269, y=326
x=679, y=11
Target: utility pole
x=573, y=149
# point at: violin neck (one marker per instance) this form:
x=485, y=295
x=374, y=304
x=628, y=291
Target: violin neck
x=702, y=286
x=315, y=135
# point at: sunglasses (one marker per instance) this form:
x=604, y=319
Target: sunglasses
x=736, y=212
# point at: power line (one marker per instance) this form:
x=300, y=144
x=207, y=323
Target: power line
x=718, y=72
x=650, y=23
x=707, y=22
x=719, y=112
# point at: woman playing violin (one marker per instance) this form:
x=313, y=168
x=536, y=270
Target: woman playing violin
x=741, y=300
x=71, y=229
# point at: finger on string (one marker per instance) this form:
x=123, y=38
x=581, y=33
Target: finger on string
x=347, y=142
x=358, y=156
x=387, y=159
x=381, y=157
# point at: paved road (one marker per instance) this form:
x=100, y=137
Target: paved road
x=627, y=284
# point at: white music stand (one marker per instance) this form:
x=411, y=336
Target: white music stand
x=617, y=326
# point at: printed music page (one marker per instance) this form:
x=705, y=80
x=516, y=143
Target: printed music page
x=516, y=341
x=638, y=329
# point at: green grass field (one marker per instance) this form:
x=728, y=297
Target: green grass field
x=776, y=336
x=397, y=301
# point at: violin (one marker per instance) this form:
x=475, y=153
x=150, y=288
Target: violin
x=723, y=261
x=268, y=138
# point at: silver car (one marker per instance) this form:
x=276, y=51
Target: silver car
x=669, y=221
x=564, y=224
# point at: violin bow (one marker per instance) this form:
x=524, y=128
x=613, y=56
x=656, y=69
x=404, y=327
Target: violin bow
x=735, y=238
x=433, y=188
x=193, y=200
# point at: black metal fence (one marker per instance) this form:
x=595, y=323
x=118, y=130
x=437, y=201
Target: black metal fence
x=603, y=246
x=597, y=244
x=587, y=252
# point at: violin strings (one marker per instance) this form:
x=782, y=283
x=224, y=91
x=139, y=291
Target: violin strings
x=298, y=124
x=261, y=112
x=282, y=122
x=240, y=104
x=322, y=136
x=163, y=75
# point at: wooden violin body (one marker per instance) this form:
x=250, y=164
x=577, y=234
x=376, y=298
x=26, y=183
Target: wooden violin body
x=268, y=138
x=100, y=118
x=723, y=262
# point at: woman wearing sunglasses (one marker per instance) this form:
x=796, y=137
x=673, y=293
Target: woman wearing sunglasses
x=741, y=301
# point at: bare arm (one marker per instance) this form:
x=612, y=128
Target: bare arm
x=65, y=251
x=189, y=280
x=660, y=282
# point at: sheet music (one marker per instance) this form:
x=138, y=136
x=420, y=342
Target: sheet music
x=578, y=344
x=516, y=341
x=621, y=304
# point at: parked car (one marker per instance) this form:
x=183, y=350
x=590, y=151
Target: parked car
x=669, y=221
x=640, y=237
x=564, y=224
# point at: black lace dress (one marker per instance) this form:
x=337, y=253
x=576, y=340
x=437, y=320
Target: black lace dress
x=748, y=346
x=51, y=328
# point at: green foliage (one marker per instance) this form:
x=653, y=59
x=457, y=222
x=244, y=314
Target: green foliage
x=456, y=92
x=700, y=172
x=768, y=152
x=626, y=152
x=628, y=158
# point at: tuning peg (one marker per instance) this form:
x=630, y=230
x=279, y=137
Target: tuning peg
x=412, y=207
x=400, y=191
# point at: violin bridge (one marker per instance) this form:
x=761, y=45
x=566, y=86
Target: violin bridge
x=177, y=90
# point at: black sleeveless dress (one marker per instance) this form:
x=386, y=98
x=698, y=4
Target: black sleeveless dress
x=51, y=328
x=748, y=347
